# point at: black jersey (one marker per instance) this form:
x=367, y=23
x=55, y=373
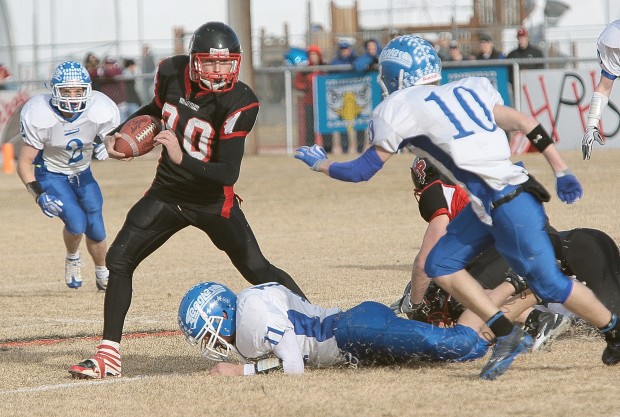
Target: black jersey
x=211, y=129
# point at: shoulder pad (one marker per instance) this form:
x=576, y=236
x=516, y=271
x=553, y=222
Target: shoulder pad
x=102, y=109
x=38, y=112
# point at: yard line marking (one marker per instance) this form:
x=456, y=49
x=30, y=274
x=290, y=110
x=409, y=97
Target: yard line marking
x=73, y=385
x=42, y=342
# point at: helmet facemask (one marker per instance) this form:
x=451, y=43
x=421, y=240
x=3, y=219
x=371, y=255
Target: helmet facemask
x=210, y=79
x=68, y=104
x=70, y=75
x=214, y=347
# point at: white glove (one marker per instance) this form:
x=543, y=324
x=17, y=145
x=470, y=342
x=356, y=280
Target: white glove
x=50, y=205
x=101, y=153
x=592, y=134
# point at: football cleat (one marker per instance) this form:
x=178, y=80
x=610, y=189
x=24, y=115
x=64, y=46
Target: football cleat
x=506, y=349
x=73, y=273
x=101, y=279
x=105, y=363
x=546, y=328
x=611, y=354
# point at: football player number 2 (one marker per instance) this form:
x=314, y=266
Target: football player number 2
x=461, y=94
x=196, y=136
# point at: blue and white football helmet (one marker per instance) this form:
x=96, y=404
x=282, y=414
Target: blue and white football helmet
x=206, y=313
x=406, y=61
x=70, y=74
x=296, y=56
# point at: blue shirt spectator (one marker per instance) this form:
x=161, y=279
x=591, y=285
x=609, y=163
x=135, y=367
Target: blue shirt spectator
x=370, y=59
x=345, y=54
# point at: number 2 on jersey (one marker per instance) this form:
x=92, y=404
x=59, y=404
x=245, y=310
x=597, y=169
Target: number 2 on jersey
x=460, y=94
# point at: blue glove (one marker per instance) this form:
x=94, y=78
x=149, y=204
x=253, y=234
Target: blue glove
x=101, y=153
x=313, y=155
x=50, y=205
x=568, y=187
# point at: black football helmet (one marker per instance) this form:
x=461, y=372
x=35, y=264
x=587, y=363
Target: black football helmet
x=214, y=57
x=423, y=172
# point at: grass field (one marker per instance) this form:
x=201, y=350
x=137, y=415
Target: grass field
x=343, y=243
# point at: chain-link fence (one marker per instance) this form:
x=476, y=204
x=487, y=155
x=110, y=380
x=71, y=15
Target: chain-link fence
x=284, y=121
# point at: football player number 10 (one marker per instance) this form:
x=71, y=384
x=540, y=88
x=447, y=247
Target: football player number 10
x=461, y=93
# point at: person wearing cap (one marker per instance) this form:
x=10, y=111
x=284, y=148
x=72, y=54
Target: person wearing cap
x=487, y=50
x=525, y=50
x=454, y=52
x=346, y=55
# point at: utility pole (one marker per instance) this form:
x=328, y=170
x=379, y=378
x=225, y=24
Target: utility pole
x=240, y=19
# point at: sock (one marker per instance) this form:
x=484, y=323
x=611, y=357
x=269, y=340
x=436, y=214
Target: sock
x=109, y=351
x=500, y=325
x=73, y=256
x=611, y=331
x=101, y=272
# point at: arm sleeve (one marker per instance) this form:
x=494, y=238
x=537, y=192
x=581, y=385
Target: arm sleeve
x=357, y=170
x=290, y=353
x=225, y=170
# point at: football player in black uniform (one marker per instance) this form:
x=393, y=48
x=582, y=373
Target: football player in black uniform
x=590, y=255
x=207, y=114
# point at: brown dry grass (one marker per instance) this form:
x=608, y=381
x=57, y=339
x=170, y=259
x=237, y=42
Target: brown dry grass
x=343, y=243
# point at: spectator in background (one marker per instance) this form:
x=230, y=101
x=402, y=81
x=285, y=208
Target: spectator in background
x=346, y=55
x=454, y=52
x=487, y=50
x=525, y=50
x=303, y=82
x=91, y=63
x=147, y=69
x=369, y=61
x=113, y=86
x=4, y=75
x=130, y=70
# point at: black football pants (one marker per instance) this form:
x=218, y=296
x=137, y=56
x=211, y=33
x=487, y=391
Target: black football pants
x=150, y=223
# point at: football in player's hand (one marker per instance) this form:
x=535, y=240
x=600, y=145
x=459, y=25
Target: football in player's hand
x=138, y=136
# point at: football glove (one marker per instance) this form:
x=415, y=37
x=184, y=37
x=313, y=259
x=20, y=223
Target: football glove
x=313, y=155
x=592, y=134
x=50, y=205
x=101, y=153
x=568, y=187
x=403, y=304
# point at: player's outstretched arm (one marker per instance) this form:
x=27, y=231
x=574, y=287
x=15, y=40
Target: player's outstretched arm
x=360, y=169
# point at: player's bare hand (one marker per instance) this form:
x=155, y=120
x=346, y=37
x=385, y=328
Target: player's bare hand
x=168, y=139
x=227, y=369
x=109, y=145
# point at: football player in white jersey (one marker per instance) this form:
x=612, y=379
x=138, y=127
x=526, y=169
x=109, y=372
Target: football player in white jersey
x=59, y=132
x=460, y=127
x=267, y=326
x=608, y=50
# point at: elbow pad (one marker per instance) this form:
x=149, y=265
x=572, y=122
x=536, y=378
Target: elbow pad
x=357, y=170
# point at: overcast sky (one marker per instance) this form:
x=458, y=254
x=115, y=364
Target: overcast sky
x=83, y=22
